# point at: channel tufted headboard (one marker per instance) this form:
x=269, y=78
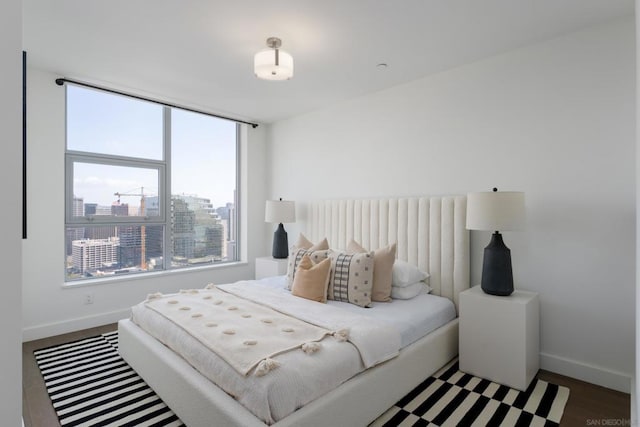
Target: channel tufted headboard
x=430, y=232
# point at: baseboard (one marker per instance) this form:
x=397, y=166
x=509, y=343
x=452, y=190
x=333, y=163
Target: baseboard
x=598, y=375
x=51, y=329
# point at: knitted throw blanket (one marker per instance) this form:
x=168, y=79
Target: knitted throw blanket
x=245, y=334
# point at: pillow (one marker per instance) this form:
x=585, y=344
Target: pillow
x=296, y=256
x=311, y=279
x=304, y=243
x=322, y=245
x=351, y=278
x=405, y=274
x=383, y=260
x=411, y=291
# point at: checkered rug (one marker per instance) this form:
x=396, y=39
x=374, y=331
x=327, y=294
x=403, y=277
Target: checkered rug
x=453, y=398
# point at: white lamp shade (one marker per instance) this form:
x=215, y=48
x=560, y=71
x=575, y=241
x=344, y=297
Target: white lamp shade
x=264, y=65
x=280, y=211
x=496, y=211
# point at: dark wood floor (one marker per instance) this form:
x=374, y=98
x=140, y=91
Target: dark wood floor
x=591, y=405
x=588, y=404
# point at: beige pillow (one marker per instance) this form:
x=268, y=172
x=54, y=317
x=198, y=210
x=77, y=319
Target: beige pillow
x=311, y=279
x=304, y=243
x=322, y=245
x=296, y=256
x=351, y=278
x=383, y=260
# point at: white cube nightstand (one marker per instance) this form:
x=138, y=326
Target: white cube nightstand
x=269, y=266
x=500, y=336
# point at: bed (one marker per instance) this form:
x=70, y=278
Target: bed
x=430, y=233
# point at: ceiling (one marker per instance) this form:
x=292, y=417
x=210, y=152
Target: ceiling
x=200, y=52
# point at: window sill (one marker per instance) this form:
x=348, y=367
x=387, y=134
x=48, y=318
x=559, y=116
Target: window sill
x=152, y=275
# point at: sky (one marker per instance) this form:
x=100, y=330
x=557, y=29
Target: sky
x=203, y=148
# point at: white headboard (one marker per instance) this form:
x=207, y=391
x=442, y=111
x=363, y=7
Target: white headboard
x=430, y=232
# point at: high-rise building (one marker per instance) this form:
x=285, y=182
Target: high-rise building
x=208, y=231
x=119, y=209
x=78, y=206
x=209, y=235
x=183, y=229
x=102, y=232
x=152, y=206
x=89, y=256
x=72, y=234
x=155, y=234
x=130, y=248
x=103, y=210
x=75, y=233
x=228, y=215
x=197, y=204
x=90, y=209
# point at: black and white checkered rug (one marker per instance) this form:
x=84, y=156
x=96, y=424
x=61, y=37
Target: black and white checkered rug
x=452, y=398
x=90, y=385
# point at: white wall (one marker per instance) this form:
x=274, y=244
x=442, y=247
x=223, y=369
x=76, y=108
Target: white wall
x=10, y=214
x=48, y=307
x=555, y=120
x=635, y=398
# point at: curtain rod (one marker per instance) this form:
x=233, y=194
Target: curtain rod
x=61, y=81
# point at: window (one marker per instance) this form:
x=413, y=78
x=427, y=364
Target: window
x=148, y=187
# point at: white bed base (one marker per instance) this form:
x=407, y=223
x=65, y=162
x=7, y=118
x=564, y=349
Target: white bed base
x=430, y=232
x=200, y=403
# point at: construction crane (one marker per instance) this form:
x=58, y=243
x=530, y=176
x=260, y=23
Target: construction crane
x=143, y=231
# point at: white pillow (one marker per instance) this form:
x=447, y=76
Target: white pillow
x=405, y=274
x=411, y=291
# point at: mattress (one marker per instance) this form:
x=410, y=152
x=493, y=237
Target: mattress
x=299, y=379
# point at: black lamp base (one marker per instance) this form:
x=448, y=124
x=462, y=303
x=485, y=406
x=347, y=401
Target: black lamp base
x=280, y=243
x=497, y=275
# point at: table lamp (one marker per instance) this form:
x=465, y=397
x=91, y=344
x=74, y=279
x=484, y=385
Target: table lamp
x=496, y=211
x=280, y=211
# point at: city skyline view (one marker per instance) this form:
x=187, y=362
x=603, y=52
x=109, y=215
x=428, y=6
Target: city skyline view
x=123, y=152
x=199, y=234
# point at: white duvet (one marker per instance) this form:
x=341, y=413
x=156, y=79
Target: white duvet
x=375, y=341
x=300, y=378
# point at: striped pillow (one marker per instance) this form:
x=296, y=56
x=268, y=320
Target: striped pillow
x=351, y=278
x=383, y=260
x=296, y=256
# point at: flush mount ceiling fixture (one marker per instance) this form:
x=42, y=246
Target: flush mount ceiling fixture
x=273, y=63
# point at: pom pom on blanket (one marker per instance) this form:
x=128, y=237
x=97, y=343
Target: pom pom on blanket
x=265, y=366
x=342, y=335
x=154, y=296
x=189, y=291
x=311, y=347
x=210, y=286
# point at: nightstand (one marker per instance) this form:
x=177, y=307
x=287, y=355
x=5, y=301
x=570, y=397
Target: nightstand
x=268, y=266
x=500, y=336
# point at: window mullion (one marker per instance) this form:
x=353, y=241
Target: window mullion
x=168, y=247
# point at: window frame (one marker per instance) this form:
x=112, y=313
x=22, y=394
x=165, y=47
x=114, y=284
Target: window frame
x=164, y=193
x=73, y=157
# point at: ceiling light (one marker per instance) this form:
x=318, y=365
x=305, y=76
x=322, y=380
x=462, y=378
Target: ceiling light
x=273, y=63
